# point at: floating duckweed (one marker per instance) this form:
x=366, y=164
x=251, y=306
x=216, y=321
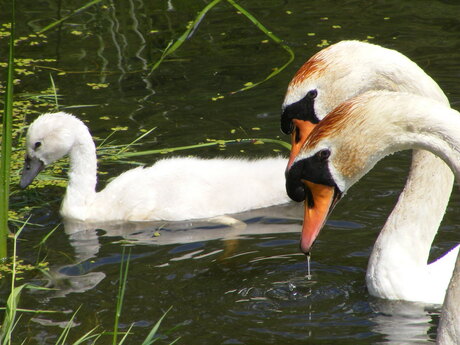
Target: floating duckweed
x=249, y=83
x=119, y=128
x=264, y=41
x=311, y=34
x=336, y=26
x=96, y=86
x=6, y=268
x=12, y=215
x=288, y=12
x=324, y=43
x=104, y=118
x=233, y=131
x=23, y=71
x=255, y=128
x=76, y=33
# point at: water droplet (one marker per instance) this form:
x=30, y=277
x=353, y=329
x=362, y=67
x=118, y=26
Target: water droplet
x=308, y=267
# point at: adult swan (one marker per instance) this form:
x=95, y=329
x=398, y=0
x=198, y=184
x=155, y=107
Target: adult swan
x=335, y=157
x=347, y=69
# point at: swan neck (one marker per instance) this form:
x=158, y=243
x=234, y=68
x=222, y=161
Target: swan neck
x=433, y=129
x=81, y=188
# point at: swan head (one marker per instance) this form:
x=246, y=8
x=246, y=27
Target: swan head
x=50, y=137
x=340, y=150
x=333, y=75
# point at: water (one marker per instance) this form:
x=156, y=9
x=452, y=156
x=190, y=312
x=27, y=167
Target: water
x=225, y=286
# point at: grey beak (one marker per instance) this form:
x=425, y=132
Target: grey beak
x=32, y=166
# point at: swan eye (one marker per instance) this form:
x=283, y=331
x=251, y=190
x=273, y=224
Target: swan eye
x=37, y=145
x=312, y=94
x=323, y=155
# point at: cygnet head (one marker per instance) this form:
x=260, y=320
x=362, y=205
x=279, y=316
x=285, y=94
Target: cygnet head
x=49, y=138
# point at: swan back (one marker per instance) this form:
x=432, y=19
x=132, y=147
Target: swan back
x=183, y=188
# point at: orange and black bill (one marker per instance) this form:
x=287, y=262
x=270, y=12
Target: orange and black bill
x=319, y=202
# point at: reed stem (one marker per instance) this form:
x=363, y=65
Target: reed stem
x=6, y=143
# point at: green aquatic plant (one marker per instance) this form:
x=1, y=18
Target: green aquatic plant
x=11, y=309
x=77, y=11
x=173, y=45
x=12, y=315
x=7, y=123
x=221, y=143
x=121, y=292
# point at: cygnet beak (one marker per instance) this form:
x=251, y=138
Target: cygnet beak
x=32, y=167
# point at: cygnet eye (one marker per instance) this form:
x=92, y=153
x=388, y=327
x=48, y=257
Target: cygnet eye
x=37, y=145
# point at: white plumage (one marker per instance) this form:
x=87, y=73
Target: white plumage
x=171, y=189
x=348, y=69
x=387, y=122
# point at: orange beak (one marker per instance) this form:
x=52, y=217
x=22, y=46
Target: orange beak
x=319, y=203
x=302, y=130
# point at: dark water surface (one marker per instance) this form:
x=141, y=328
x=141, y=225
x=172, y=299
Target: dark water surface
x=222, y=291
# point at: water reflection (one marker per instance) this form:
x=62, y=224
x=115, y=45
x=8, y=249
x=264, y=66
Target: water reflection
x=402, y=322
x=84, y=237
x=187, y=236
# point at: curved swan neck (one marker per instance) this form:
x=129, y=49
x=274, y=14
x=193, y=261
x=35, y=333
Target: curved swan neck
x=81, y=188
x=428, y=125
x=387, y=122
x=398, y=263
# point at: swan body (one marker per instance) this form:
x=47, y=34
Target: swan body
x=172, y=189
x=348, y=69
x=335, y=157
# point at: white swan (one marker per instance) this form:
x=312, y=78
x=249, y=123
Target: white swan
x=344, y=147
x=172, y=189
x=347, y=69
